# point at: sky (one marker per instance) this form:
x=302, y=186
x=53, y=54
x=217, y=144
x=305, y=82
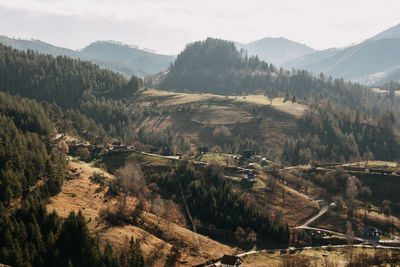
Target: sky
x=167, y=26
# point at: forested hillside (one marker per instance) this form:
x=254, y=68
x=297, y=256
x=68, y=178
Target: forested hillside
x=71, y=84
x=62, y=80
x=25, y=156
x=31, y=170
x=329, y=132
x=145, y=62
x=216, y=66
x=118, y=57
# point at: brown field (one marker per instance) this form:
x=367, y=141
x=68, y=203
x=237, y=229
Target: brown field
x=336, y=221
x=217, y=119
x=289, y=205
x=337, y=257
x=82, y=194
x=167, y=98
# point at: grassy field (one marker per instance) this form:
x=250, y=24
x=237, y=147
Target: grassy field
x=278, y=103
x=171, y=98
x=375, y=165
x=216, y=119
x=337, y=257
x=218, y=158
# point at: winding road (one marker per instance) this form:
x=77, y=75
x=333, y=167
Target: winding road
x=309, y=221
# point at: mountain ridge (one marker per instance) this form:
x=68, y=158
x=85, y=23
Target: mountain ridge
x=127, y=68
x=276, y=50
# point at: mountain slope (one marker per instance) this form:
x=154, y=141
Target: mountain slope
x=108, y=55
x=213, y=66
x=371, y=62
x=312, y=58
x=276, y=50
x=391, y=33
x=146, y=62
x=359, y=62
x=216, y=66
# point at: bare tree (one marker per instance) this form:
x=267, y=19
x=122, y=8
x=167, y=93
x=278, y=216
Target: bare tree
x=352, y=189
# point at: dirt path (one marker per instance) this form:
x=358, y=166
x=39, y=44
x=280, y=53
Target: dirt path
x=309, y=221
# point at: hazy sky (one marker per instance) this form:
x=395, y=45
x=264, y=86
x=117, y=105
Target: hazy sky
x=167, y=25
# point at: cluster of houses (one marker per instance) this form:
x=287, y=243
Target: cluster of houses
x=119, y=147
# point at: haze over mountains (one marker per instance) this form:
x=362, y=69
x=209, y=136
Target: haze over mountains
x=372, y=62
x=127, y=60
x=276, y=50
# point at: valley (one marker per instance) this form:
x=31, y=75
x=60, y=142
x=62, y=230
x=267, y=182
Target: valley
x=270, y=192
x=215, y=157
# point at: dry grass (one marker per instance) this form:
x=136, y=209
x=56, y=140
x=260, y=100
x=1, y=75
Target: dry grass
x=265, y=124
x=289, y=205
x=288, y=107
x=373, y=164
x=221, y=115
x=337, y=257
x=218, y=158
x=172, y=98
x=82, y=194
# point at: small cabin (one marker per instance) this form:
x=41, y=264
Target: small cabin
x=231, y=261
x=372, y=232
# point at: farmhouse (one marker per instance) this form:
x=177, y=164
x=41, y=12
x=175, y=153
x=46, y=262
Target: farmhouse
x=231, y=261
x=371, y=232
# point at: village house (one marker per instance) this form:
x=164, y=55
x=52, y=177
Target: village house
x=231, y=261
x=371, y=232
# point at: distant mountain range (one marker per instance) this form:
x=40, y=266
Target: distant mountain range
x=276, y=50
x=125, y=59
x=373, y=62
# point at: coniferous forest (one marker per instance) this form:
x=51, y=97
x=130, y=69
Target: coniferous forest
x=31, y=171
x=42, y=96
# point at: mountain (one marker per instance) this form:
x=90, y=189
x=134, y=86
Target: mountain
x=391, y=33
x=373, y=61
x=276, y=50
x=147, y=62
x=311, y=58
x=39, y=46
x=216, y=66
x=213, y=66
x=121, y=58
x=361, y=63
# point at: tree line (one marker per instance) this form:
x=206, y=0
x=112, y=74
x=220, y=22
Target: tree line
x=330, y=132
